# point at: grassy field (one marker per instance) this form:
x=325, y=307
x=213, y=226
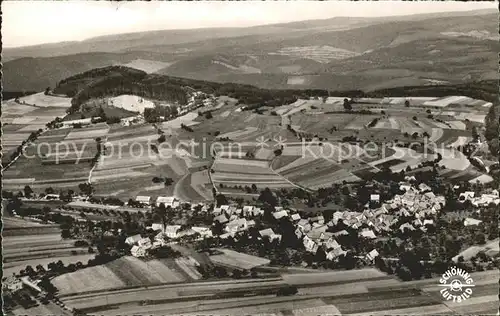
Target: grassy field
x=120, y=273
x=42, y=100
x=31, y=243
x=237, y=260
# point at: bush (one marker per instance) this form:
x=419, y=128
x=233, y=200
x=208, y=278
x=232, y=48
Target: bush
x=81, y=243
x=286, y=291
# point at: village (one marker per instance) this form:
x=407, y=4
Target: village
x=401, y=235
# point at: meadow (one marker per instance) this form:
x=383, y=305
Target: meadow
x=124, y=272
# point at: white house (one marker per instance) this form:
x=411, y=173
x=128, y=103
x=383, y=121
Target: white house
x=143, y=199
x=372, y=255
x=375, y=197
x=203, y=231
x=226, y=235
x=298, y=232
x=467, y=195
x=335, y=253
x=295, y=217
x=368, y=233
x=216, y=211
x=157, y=226
x=318, y=219
x=236, y=225
x=331, y=243
x=424, y=187
x=160, y=238
x=471, y=222
x=132, y=240
x=428, y=222
x=144, y=243
x=270, y=233
x=310, y=245
x=406, y=225
x=221, y=219
x=280, y=214
x=247, y=210
x=137, y=251
x=304, y=225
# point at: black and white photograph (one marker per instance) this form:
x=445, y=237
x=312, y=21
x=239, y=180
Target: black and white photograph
x=233, y=158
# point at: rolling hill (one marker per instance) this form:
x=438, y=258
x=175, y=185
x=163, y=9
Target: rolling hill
x=335, y=54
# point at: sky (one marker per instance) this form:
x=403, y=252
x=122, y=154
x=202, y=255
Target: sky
x=36, y=22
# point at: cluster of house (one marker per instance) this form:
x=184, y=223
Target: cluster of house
x=165, y=234
x=418, y=203
x=12, y=284
x=171, y=201
x=484, y=199
x=132, y=120
x=192, y=104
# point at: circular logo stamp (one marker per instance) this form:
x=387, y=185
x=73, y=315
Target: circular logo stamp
x=457, y=285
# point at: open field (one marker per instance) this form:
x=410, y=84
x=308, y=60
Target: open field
x=123, y=272
x=369, y=293
x=130, y=103
x=59, y=158
x=11, y=223
x=237, y=260
x=245, y=172
x=130, y=163
x=42, y=100
x=149, y=66
x=44, y=243
x=195, y=186
x=19, y=121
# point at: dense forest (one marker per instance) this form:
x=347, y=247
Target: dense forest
x=15, y=94
x=485, y=90
x=492, y=133
x=118, y=80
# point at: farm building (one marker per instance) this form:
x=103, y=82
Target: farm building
x=143, y=199
x=171, y=201
x=295, y=217
x=85, y=121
